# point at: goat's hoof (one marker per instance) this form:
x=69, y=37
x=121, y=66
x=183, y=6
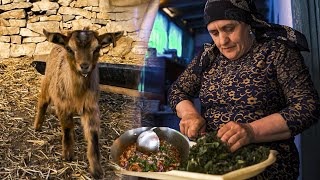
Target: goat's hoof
x=97, y=173
x=67, y=157
x=37, y=129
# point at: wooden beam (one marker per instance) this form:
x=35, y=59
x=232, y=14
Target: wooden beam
x=192, y=16
x=189, y=13
x=131, y=92
x=196, y=24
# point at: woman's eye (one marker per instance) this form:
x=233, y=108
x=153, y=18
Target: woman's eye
x=229, y=29
x=214, y=33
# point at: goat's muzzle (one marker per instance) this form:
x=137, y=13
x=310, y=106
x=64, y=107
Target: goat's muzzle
x=85, y=69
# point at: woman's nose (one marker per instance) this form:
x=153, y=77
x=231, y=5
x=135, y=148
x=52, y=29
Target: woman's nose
x=224, y=39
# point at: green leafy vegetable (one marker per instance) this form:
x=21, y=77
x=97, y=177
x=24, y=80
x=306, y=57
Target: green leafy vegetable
x=211, y=156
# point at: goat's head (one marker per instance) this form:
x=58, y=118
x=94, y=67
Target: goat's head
x=82, y=47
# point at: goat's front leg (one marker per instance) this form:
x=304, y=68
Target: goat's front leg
x=91, y=125
x=43, y=102
x=67, y=128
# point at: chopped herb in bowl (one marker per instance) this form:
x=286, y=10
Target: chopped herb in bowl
x=212, y=156
x=166, y=159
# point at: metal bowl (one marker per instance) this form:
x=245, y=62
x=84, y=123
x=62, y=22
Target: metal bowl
x=172, y=136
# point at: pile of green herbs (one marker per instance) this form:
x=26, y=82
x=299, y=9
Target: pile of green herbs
x=212, y=156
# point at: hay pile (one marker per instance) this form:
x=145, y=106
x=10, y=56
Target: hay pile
x=25, y=154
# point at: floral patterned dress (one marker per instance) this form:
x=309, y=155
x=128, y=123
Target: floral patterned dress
x=270, y=78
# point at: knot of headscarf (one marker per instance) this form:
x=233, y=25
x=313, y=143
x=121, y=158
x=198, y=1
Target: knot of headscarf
x=246, y=11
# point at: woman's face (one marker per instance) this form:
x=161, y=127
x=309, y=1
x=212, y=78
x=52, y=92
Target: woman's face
x=231, y=37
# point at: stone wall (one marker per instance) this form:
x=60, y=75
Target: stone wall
x=22, y=22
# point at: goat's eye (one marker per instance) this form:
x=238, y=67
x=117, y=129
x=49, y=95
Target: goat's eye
x=69, y=50
x=96, y=50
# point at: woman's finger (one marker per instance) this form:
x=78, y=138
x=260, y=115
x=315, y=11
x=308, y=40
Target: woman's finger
x=241, y=142
x=228, y=134
x=234, y=138
x=183, y=128
x=223, y=130
x=192, y=133
x=202, y=129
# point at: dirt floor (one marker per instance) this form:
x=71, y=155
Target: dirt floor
x=26, y=154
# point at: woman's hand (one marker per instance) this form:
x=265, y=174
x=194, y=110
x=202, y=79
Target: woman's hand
x=192, y=125
x=236, y=135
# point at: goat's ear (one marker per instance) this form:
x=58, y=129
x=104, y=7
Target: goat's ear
x=108, y=38
x=56, y=38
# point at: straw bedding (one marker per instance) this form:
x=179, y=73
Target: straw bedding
x=26, y=154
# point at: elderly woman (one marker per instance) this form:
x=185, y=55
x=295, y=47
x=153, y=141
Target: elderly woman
x=252, y=84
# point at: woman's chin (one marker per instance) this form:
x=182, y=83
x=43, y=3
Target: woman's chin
x=231, y=56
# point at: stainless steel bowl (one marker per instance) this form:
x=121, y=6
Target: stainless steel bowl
x=172, y=136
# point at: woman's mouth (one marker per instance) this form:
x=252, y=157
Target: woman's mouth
x=228, y=49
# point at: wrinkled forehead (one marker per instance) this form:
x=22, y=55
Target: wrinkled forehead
x=84, y=38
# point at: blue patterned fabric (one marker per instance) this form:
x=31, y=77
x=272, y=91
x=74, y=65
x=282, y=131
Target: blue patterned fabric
x=270, y=78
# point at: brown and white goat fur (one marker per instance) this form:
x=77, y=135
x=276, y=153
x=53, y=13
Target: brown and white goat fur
x=71, y=84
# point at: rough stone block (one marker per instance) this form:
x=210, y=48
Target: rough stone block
x=18, y=50
x=7, y=1
x=81, y=3
x=5, y=39
x=21, y=5
x=93, y=15
x=81, y=24
x=4, y=22
x=9, y=30
x=14, y=14
x=112, y=16
x=33, y=19
x=95, y=27
x=34, y=40
x=16, y=39
x=88, y=8
x=17, y=1
x=126, y=2
x=66, y=18
x=100, y=21
x=72, y=4
x=44, y=6
x=67, y=25
x=79, y=17
x=94, y=3
x=51, y=12
x=51, y=18
x=43, y=48
x=104, y=5
x=38, y=27
x=27, y=32
x=5, y=50
x=103, y=15
x=96, y=9
x=126, y=16
x=74, y=11
x=129, y=26
x=65, y=2
x=18, y=22
x=123, y=47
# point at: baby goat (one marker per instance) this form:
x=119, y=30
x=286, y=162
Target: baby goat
x=71, y=84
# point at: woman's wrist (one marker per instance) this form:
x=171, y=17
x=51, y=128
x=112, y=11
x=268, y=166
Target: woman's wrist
x=251, y=132
x=186, y=107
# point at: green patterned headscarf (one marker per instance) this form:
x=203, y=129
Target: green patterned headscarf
x=245, y=11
